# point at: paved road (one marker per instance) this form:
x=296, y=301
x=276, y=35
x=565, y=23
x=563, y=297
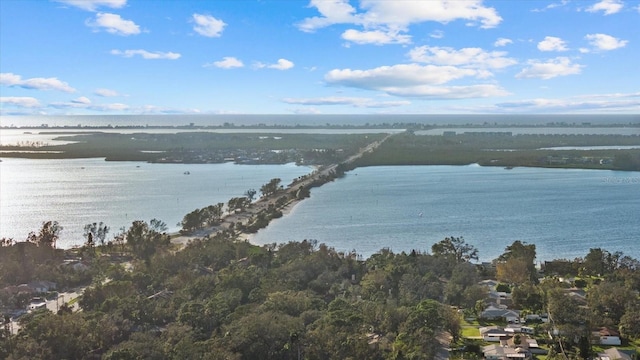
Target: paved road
x=264, y=202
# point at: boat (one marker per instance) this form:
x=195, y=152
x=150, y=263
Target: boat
x=187, y=173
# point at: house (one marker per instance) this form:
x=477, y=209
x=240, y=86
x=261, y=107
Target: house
x=489, y=284
x=615, y=354
x=495, y=313
x=607, y=336
x=499, y=352
x=42, y=286
x=494, y=333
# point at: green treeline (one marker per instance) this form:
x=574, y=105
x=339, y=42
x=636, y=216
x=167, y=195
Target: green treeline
x=220, y=298
x=505, y=150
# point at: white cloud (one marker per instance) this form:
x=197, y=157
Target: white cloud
x=376, y=37
x=84, y=103
x=20, y=101
x=392, y=18
x=359, y=102
x=228, y=62
x=605, y=42
x=397, y=76
x=607, y=6
x=560, y=66
x=437, y=34
x=207, y=25
x=282, y=64
x=146, y=54
x=415, y=80
x=331, y=11
x=552, y=6
x=82, y=100
x=502, y=42
x=114, y=24
x=602, y=102
x=92, y=5
x=467, y=57
x=552, y=43
x=10, y=79
x=106, y=93
x=449, y=92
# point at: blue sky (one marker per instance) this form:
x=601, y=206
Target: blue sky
x=319, y=56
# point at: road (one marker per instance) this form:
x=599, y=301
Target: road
x=264, y=202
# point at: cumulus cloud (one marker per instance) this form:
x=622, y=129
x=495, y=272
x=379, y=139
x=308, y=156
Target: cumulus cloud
x=106, y=93
x=560, y=66
x=414, y=80
x=20, y=101
x=552, y=43
x=502, y=42
x=376, y=37
x=82, y=100
x=359, y=102
x=113, y=24
x=10, y=79
x=469, y=57
x=607, y=6
x=605, y=42
x=207, y=25
x=385, y=22
x=282, y=64
x=147, y=54
x=397, y=75
x=92, y=5
x=228, y=62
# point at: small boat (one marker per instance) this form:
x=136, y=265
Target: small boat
x=509, y=168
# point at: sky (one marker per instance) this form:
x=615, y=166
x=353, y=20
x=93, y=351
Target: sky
x=319, y=57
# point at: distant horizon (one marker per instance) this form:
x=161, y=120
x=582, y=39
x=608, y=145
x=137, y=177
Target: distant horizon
x=181, y=120
x=317, y=120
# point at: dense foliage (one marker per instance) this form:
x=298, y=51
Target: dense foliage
x=220, y=298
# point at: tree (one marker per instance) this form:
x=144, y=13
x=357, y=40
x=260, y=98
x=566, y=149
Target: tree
x=271, y=187
x=95, y=231
x=609, y=300
x=251, y=194
x=517, y=264
x=158, y=225
x=48, y=235
x=630, y=322
x=144, y=241
x=455, y=250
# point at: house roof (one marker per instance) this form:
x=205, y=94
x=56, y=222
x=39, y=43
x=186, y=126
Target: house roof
x=605, y=331
x=502, y=351
x=492, y=312
x=614, y=354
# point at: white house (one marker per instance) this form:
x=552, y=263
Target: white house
x=607, y=336
x=494, y=333
x=498, y=352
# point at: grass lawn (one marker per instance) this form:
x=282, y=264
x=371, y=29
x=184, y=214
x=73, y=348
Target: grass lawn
x=470, y=332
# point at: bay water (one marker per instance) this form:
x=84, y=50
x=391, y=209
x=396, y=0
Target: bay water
x=76, y=192
x=564, y=212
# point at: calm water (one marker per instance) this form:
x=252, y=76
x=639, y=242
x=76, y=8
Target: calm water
x=81, y=191
x=564, y=212
x=539, y=130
